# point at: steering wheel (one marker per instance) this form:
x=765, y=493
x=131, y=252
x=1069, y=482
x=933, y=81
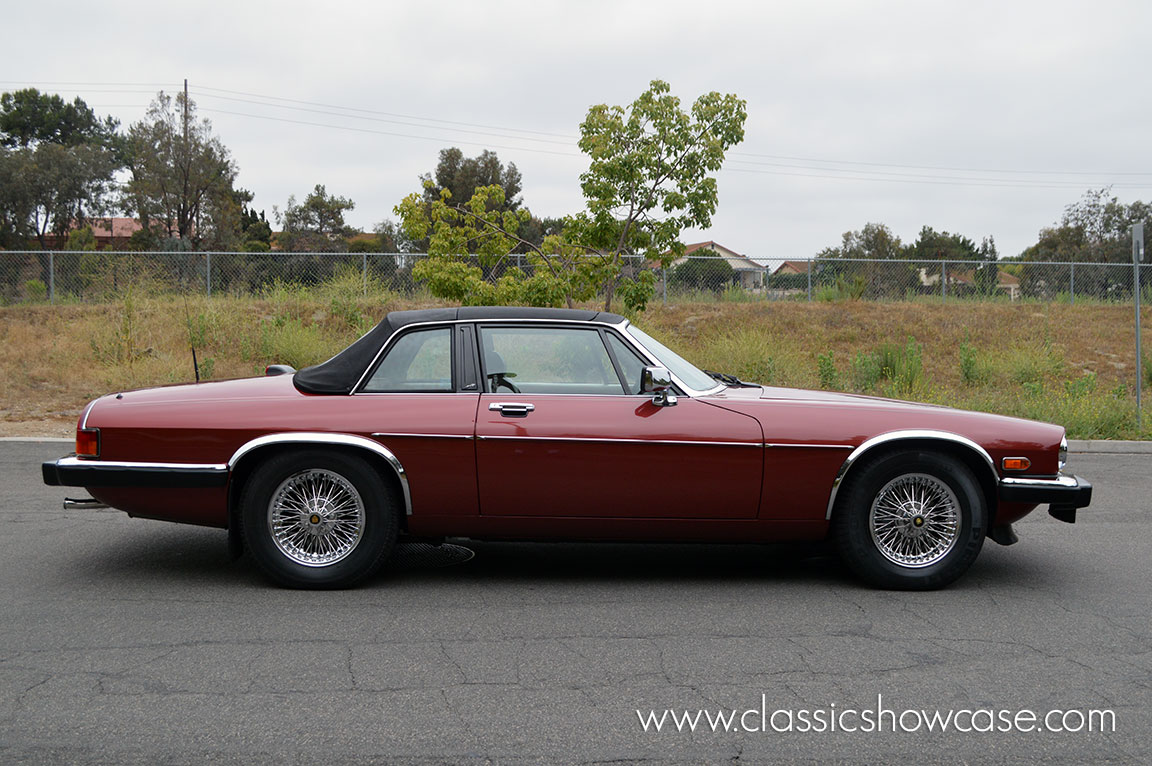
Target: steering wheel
x=501, y=379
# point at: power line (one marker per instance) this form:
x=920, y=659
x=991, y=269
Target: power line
x=384, y=119
x=939, y=167
x=385, y=114
x=1002, y=184
x=822, y=168
x=390, y=133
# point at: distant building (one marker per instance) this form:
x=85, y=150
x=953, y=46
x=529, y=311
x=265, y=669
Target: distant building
x=749, y=274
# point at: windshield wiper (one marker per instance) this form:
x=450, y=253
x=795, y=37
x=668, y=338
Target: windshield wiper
x=730, y=380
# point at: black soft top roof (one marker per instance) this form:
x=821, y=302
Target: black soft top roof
x=340, y=373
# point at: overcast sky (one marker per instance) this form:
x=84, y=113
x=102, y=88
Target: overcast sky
x=983, y=118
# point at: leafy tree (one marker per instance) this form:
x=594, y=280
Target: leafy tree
x=463, y=175
x=181, y=174
x=932, y=245
x=1095, y=229
x=875, y=242
x=15, y=201
x=648, y=179
x=988, y=273
x=316, y=223
x=712, y=274
x=29, y=117
x=56, y=166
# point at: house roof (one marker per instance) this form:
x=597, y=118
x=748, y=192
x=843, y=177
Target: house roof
x=799, y=267
x=104, y=228
x=738, y=261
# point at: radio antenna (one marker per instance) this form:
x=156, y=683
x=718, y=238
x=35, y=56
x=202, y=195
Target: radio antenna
x=191, y=339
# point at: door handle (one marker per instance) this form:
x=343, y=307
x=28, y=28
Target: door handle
x=511, y=409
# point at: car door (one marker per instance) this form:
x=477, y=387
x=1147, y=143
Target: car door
x=561, y=431
x=419, y=401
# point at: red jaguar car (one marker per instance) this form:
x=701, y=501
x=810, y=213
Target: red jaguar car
x=504, y=423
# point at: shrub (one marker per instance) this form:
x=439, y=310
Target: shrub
x=826, y=368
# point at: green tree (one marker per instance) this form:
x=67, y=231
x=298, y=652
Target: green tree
x=181, y=175
x=29, y=117
x=57, y=165
x=648, y=179
x=934, y=245
x=15, y=200
x=988, y=272
x=710, y=274
x=316, y=223
x=463, y=175
x=875, y=242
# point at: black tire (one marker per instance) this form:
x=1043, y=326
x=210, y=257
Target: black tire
x=920, y=544
x=321, y=544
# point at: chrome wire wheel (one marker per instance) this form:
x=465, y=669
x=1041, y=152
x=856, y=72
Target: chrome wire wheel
x=915, y=520
x=316, y=517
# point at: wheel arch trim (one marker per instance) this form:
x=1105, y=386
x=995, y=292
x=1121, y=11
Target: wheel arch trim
x=905, y=435
x=329, y=439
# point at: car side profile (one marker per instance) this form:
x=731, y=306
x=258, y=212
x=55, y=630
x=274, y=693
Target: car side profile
x=504, y=423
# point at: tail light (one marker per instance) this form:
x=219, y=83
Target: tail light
x=88, y=442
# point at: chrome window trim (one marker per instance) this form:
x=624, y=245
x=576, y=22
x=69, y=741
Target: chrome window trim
x=904, y=436
x=698, y=443
x=344, y=440
x=453, y=322
x=620, y=327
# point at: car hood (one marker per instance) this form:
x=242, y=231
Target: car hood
x=809, y=418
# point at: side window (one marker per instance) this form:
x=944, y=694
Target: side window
x=546, y=360
x=417, y=361
x=630, y=363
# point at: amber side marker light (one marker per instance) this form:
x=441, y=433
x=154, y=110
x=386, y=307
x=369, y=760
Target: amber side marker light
x=88, y=442
x=1016, y=463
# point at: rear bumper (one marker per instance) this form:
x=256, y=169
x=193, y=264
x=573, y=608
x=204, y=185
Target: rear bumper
x=73, y=472
x=1063, y=494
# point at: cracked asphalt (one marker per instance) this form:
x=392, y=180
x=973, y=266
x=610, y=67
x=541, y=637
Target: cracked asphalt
x=129, y=641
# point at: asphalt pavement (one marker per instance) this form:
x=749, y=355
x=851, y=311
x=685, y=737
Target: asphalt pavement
x=133, y=641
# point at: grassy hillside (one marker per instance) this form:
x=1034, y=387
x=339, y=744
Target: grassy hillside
x=1072, y=365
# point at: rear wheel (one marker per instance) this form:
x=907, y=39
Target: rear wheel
x=318, y=519
x=910, y=520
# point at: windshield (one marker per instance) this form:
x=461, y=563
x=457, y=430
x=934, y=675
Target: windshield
x=678, y=365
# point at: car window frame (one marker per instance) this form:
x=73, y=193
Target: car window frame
x=597, y=328
x=382, y=356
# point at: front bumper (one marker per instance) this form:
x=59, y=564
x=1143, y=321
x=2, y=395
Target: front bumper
x=1064, y=494
x=71, y=471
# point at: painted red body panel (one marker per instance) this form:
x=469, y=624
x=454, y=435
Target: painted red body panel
x=577, y=467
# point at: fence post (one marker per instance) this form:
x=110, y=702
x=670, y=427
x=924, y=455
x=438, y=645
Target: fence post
x=208, y=274
x=664, y=282
x=1137, y=255
x=810, y=266
x=51, y=277
x=943, y=280
x=1072, y=283
x=364, y=273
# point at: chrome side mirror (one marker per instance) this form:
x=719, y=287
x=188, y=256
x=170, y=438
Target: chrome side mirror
x=658, y=382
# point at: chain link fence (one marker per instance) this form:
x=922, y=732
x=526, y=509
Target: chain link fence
x=95, y=276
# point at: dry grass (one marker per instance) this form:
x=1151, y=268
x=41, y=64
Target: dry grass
x=1069, y=364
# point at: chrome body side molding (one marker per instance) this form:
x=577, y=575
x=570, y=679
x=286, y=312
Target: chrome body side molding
x=320, y=438
x=911, y=434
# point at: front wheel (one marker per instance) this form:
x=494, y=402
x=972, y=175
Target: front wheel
x=317, y=519
x=910, y=521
